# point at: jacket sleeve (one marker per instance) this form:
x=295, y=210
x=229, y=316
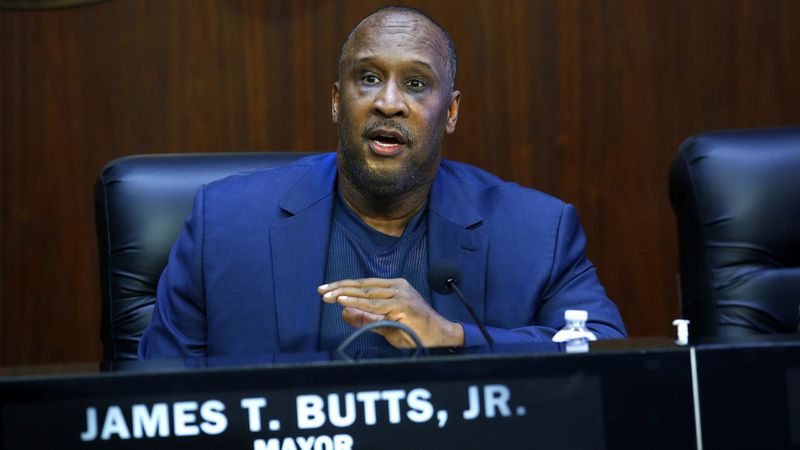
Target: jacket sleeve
x=572, y=284
x=178, y=326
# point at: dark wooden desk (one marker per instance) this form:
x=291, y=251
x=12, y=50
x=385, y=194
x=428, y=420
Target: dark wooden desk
x=628, y=394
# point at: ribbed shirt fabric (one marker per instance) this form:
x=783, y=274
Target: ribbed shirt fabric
x=356, y=250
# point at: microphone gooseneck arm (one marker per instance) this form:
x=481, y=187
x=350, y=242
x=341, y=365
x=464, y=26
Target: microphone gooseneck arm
x=451, y=284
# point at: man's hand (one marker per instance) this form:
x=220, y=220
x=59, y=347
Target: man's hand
x=368, y=300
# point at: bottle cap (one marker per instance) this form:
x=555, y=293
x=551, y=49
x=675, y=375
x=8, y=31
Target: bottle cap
x=573, y=315
x=683, y=331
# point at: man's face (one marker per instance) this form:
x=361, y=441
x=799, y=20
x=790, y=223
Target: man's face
x=392, y=105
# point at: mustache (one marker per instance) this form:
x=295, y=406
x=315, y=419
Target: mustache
x=388, y=124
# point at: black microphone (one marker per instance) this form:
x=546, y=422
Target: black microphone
x=444, y=277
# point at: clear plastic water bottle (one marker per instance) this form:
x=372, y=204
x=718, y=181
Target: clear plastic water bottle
x=575, y=334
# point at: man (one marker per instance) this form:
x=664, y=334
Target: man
x=364, y=224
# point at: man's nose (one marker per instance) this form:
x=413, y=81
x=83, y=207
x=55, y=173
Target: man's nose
x=391, y=102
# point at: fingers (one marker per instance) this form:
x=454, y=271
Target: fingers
x=359, y=318
x=363, y=293
x=396, y=337
x=365, y=288
x=367, y=300
x=388, y=297
x=360, y=283
x=382, y=306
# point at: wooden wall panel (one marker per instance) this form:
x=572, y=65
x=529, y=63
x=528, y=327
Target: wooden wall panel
x=585, y=99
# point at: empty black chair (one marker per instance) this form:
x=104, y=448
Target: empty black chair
x=141, y=203
x=736, y=197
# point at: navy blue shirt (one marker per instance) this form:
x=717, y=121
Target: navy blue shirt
x=356, y=250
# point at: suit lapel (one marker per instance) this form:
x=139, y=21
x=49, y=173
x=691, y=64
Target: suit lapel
x=454, y=234
x=299, y=247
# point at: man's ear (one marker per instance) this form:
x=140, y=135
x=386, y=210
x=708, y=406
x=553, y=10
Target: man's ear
x=335, y=102
x=452, y=112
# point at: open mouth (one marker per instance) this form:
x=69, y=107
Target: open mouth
x=386, y=141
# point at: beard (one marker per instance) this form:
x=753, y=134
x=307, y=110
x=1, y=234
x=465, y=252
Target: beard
x=417, y=170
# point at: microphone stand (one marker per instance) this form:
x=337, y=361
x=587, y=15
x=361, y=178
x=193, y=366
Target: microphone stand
x=451, y=283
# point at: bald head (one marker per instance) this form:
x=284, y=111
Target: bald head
x=394, y=18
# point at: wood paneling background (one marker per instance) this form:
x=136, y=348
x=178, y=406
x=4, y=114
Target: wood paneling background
x=585, y=99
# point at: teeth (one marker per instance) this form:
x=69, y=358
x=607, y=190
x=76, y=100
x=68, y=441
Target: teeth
x=386, y=138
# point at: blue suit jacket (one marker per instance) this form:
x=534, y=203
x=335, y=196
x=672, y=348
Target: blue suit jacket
x=241, y=278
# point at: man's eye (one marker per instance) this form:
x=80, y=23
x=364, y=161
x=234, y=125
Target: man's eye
x=415, y=84
x=370, y=79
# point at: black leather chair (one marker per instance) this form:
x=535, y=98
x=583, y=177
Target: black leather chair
x=736, y=197
x=141, y=203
